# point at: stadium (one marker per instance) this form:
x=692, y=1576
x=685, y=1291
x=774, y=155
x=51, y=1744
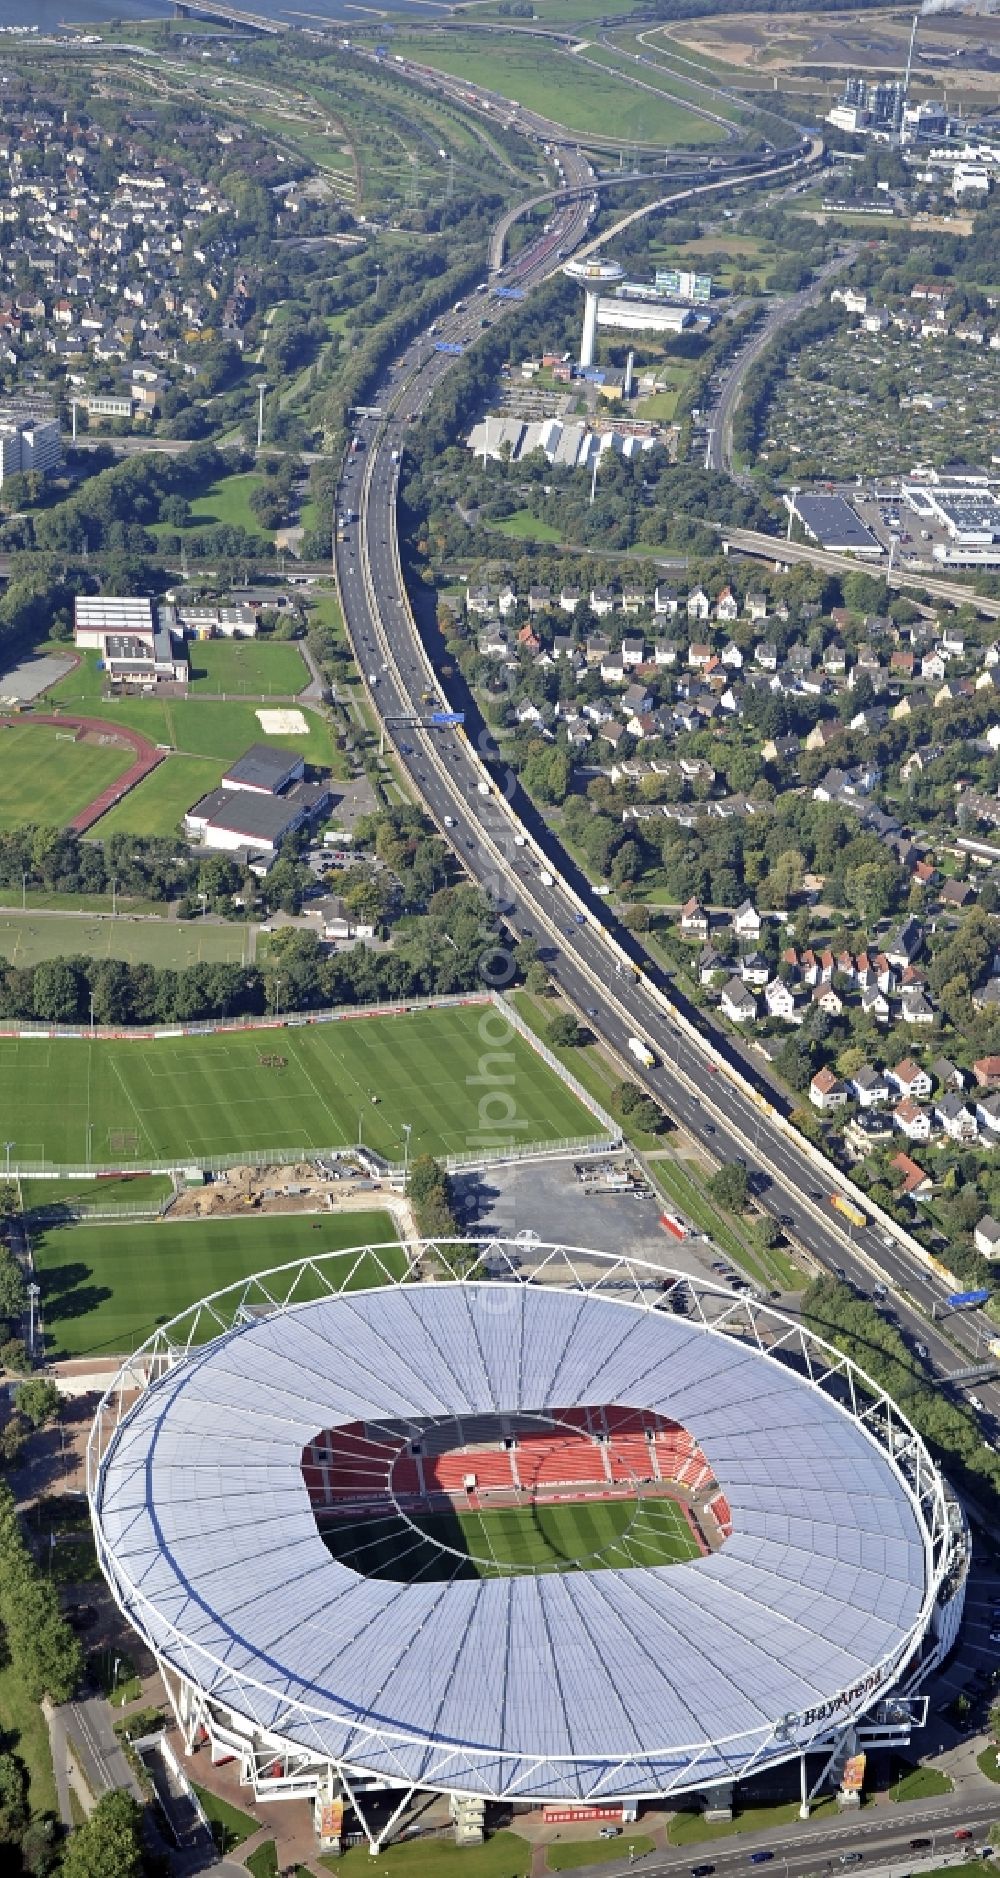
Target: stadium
x=585, y=1538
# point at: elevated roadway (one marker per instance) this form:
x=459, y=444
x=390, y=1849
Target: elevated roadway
x=789, y=553
x=505, y=849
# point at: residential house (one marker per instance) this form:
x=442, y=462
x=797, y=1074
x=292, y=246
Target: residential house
x=871, y=1086
x=694, y=919
x=754, y=969
x=986, y=1237
x=828, y=1000
x=914, y=1183
x=710, y=963
x=958, y=1122
x=826, y=1091
x=665, y=602
x=912, y=1121
x=755, y=606
x=905, y=944
x=780, y=1001
x=766, y=656
x=727, y=606
x=988, y=1117
x=987, y=997
x=633, y=652
x=732, y=656
x=986, y=1070
x=869, y=1129
x=914, y=1008
x=700, y=657
x=911, y=1080
x=957, y=893
x=747, y=923
x=875, y=1004
x=699, y=606
x=948, y=1073
x=738, y=1002
x=602, y=601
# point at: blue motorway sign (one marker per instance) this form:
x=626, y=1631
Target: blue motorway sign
x=958, y=1298
x=509, y=293
x=447, y=717
x=446, y=345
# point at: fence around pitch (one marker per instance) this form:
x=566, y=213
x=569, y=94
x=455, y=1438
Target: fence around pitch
x=392, y=1174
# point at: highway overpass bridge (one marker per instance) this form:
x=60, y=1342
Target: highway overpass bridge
x=223, y=15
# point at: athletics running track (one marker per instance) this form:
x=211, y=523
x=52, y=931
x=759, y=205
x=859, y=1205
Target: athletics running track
x=147, y=756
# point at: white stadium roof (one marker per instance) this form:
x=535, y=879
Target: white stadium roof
x=589, y=1683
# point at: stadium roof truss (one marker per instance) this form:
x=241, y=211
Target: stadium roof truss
x=631, y=1682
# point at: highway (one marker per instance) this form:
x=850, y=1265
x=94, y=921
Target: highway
x=504, y=848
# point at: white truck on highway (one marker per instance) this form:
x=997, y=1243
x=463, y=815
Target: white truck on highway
x=642, y=1052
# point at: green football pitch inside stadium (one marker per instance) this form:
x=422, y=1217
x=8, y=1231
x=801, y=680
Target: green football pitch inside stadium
x=453, y=1076
x=506, y=1541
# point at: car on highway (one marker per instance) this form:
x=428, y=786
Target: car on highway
x=976, y=1402
x=922, y=1351
x=921, y=1845
x=761, y=1858
x=851, y=1858
x=702, y=1871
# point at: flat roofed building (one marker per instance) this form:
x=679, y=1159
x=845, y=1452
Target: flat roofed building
x=96, y=617
x=262, y=771
x=832, y=522
x=246, y=818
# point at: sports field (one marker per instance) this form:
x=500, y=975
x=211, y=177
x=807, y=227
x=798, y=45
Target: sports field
x=254, y=666
x=158, y=804
x=45, y=777
x=105, y=1288
x=591, y=1536
x=25, y=938
x=184, y=1099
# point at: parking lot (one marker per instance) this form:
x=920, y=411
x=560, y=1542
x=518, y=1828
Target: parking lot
x=548, y=1198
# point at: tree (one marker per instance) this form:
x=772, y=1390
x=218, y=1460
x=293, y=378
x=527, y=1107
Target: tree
x=563, y=1031
x=57, y=990
x=109, y=1843
x=730, y=1186
x=13, y=1798
x=39, y=1400
x=536, y=978
x=13, y=1296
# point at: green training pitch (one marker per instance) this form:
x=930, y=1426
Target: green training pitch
x=596, y=1535
x=45, y=777
x=105, y=1288
x=25, y=938
x=254, y=666
x=185, y=1099
x=158, y=805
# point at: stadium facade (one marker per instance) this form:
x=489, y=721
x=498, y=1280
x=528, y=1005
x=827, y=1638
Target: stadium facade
x=829, y=1577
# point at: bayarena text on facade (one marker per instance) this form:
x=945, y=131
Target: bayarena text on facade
x=413, y=1519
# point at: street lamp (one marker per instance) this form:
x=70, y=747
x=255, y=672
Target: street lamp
x=114, y=896
x=34, y=1293
x=407, y=1130
x=8, y=1145
x=277, y=996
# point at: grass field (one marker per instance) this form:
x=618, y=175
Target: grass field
x=228, y=502
x=556, y=85
x=504, y=1855
x=46, y=778
x=597, y=1536
x=27, y=937
x=523, y=526
x=160, y=802
x=248, y=665
x=196, y=726
x=179, y=1099
x=105, y=1288
x=577, y=1852
x=135, y=1190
